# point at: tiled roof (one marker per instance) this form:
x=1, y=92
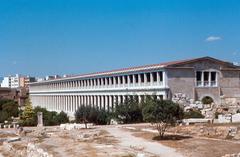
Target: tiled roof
x=132, y=69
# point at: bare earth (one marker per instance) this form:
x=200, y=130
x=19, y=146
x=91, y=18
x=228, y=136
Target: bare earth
x=128, y=140
x=117, y=141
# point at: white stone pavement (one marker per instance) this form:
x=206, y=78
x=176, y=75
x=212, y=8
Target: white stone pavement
x=128, y=140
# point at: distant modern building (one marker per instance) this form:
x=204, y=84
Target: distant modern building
x=6, y=82
x=24, y=81
x=194, y=78
x=17, y=81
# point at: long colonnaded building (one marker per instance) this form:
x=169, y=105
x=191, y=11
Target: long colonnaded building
x=195, y=78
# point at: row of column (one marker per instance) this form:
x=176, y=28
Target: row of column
x=70, y=103
x=142, y=79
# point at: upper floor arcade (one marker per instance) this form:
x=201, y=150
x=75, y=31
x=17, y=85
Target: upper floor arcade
x=147, y=79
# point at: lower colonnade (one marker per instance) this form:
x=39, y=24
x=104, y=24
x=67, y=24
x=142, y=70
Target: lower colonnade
x=70, y=103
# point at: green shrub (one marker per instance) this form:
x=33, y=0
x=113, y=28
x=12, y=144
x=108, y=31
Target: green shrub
x=162, y=114
x=104, y=117
x=8, y=109
x=207, y=100
x=129, y=112
x=87, y=114
x=3, y=116
x=11, y=108
x=193, y=114
x=62, y=117
x=50, y=118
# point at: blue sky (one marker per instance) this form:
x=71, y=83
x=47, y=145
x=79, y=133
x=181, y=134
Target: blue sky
x=45, y=37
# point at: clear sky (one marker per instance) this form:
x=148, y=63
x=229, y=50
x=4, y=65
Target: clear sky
x=45, y=37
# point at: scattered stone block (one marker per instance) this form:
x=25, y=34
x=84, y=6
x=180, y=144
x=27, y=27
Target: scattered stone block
x=140, y=155
x=113, y=122
x=236, y=118
x=13, y=139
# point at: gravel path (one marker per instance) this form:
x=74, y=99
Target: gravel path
x=128, y=140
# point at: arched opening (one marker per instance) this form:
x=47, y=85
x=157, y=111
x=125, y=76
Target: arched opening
x=207, y=100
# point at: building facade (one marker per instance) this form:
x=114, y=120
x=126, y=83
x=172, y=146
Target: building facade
x=24, y=81
x=17, y=81
x=195, y=78
x=6, y=82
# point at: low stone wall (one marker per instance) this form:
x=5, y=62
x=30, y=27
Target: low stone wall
x=196, y=120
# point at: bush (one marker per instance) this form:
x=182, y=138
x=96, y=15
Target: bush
x=129, y=112
x=62, y=117
x=11, y=108
x=193, y=114
x=3, y=116
x=162, y=113
x=49, y=118
x=207, y=100
x=87, y=114
x=8, y=109
x=103, y=117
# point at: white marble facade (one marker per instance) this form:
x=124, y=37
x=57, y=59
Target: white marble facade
x=102, y=90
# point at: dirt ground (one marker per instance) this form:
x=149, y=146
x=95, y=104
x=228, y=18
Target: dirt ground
x=191, y=146
x=118, y=141
x=96, y=142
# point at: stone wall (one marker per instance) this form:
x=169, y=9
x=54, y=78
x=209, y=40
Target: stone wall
x=213, y=92
x=181, y=81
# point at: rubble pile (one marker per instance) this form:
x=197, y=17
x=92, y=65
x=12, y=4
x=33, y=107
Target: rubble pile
x=182, y=99
x=226, y=112
x=34, y=151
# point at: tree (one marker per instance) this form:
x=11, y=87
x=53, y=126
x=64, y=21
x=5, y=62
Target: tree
x=129, y=111
x=27, y=116
x=103, y=117
x=85, y=114
x=8, y=109
x=62, y=118
x=162, y=114
x=11, y=107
